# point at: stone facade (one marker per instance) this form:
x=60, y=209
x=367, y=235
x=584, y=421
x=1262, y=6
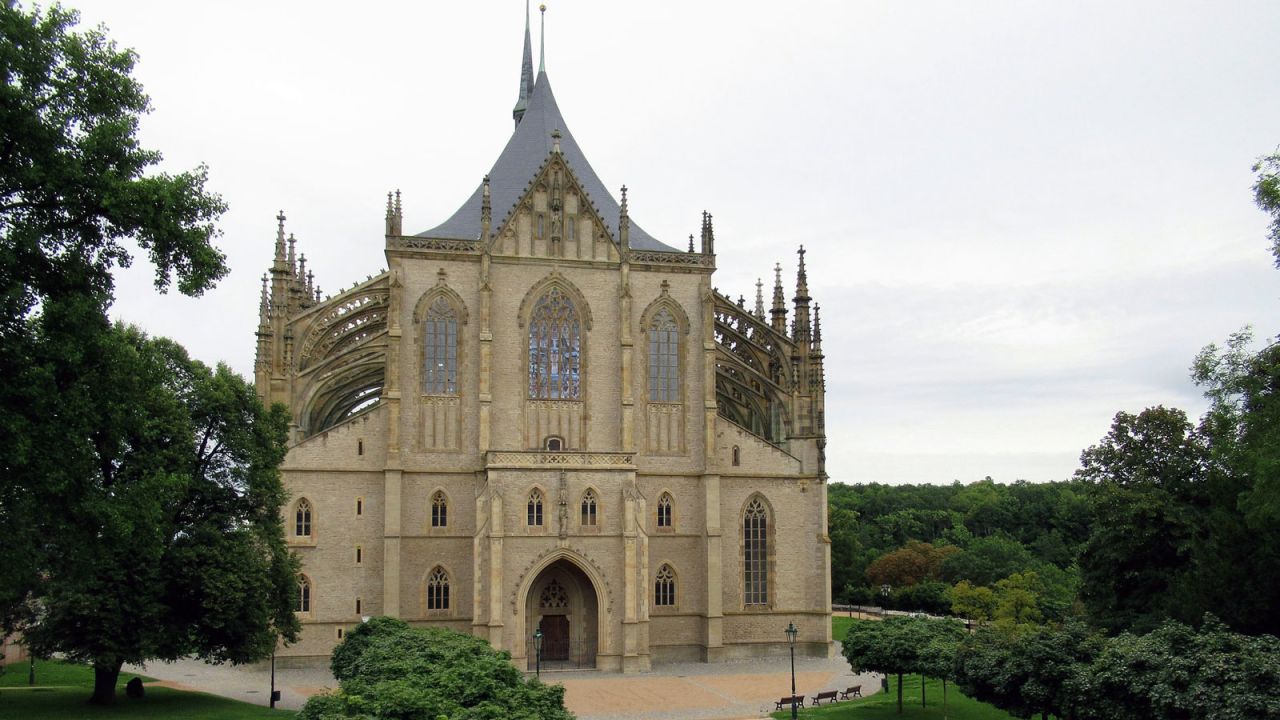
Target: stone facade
x=639, y=477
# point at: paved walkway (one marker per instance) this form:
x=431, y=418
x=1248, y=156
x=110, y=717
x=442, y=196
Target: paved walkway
x=692, y=691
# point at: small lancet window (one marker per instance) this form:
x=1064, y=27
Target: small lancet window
x=440, y=349
x=535, y=508
x=302, y=519
x=737, y=456
x=664, y=588
x=664, y=510
x=589, y=508
x=555, y=355
x=439, y=510
x=304, y=595
x=438, y=590
x=664, y=358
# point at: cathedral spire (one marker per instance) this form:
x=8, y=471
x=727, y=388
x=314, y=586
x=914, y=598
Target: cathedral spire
x=800, y=330
x=779, y=311
x=526, y=72
x=542, y=39
x=280, y=257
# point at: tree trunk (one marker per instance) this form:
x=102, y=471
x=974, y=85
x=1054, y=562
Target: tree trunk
x=922, y=690
x=899, y=693
x=105, y=676
x=944, y=699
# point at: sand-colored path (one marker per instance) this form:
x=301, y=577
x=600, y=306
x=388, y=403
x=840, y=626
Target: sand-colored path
x=693, y=691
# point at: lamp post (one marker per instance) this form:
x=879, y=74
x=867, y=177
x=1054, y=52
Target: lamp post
x=792, y=631
x=537, y=652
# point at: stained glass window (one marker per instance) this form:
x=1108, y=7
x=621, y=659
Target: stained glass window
x=438, y=590
x=755, y=541
x=664, y=510
x=302, y=519
x=664, y=358
x=554, y=348
x=664, y=589
x=440, y=349
x=535, y=508
x=439, y=510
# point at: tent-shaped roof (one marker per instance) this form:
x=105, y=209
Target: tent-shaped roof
x=520, y=160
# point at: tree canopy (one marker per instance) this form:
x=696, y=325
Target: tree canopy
x=387, y=669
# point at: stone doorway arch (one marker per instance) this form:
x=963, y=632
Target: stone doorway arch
x=562, y=602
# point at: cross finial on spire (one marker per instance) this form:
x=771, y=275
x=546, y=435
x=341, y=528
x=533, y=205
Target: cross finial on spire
x=280, y=257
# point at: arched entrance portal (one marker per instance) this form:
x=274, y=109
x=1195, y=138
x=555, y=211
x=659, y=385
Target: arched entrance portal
x=562, y=604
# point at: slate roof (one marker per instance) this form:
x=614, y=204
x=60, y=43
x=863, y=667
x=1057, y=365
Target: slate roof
x=524, y=154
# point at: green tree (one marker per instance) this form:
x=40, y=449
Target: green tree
x=1039, y=671
x=900, y=645
x=170, y=544
x=987, y=560
x=1266, y=193
x=1146, y=477
x=972, y=602
x=387, y=669
x=1018, y=601
x=1176, y=671
x=74, y=194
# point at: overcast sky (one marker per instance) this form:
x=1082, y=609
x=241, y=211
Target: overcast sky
x=1021, y=217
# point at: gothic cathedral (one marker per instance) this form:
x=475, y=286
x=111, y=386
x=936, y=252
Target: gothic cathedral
x=543, y=426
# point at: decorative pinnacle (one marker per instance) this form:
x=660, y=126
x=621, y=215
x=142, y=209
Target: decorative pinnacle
x=555, y=141
x=280, y=237
x=263, y=301
x=292, y=244
x=399, y=209
x=759, y=293
x=623, y=209
x=690, y=242
x=817, y=326
x=802, y=280
x=542, y=40
x=389, y=208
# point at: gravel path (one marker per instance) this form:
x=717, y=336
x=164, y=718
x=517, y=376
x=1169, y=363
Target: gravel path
x=682, y=691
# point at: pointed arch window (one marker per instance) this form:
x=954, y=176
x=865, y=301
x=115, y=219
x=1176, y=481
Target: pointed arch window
x=664, y=358
x=589, y=508
x=555, y=353
x=438, y=590
x=439, y=510
x=755, y=539
x=302, y=519
x=304, y=595
x=440, y=349
x=664, y=510
x=664, y=588
x=535, y=508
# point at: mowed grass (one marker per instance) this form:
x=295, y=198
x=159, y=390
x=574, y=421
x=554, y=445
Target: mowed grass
x=62, y=692
x=885, y=705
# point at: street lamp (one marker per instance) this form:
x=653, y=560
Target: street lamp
x=792, y=631
x=537, y=652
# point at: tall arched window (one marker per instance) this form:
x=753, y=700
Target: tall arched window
x=664, y=510
x=302, y=519
x=589, y=508
x=664, y=588
x=535, y=508
x=555, y=354
x=755, y=540
x=664, y=358
x=439, y=510
x=438, y=590
x=440, y=349
x=304, y=595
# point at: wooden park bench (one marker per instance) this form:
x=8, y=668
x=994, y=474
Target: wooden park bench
x=853, y=692
x=785, y=702
x=828, y=695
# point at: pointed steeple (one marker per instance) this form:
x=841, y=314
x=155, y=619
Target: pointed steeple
x=526, y=72
x=542, y=39
x=759, y=298
x=800, y=331
x=779, y=311
x=280, y=256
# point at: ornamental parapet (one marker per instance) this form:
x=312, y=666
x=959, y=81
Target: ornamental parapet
x=413, y=242
x=660, y=257
x=514, y=459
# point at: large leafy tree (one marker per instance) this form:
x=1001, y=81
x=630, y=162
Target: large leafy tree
x=170, y=544
x=138, y=489
x=902, y=645
x=387, y=669
x=1032, y=672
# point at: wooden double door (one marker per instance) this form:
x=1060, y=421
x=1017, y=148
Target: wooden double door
x=555, y=637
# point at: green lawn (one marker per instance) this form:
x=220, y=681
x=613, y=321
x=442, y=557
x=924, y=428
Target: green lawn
x=62, y=690
x=885, y=705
